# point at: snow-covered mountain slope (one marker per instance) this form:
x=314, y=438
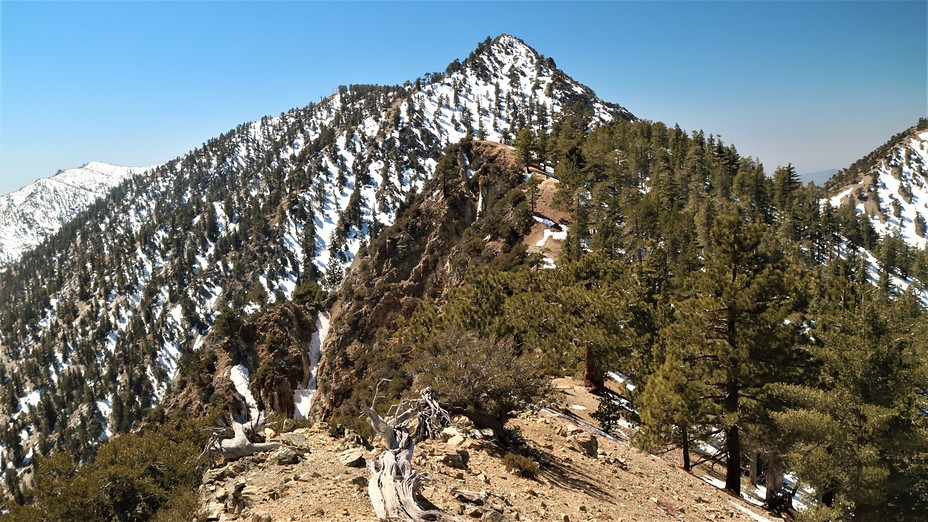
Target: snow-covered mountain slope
x=108, y=307
x=38, y=210
x=893, y=190
x=881, y=206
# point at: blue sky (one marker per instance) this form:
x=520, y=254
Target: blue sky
x=817, y=84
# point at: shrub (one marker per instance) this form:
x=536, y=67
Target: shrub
x=609, y=413
x=339, y=424
x=309, y=293
x=475, y=374
x=521, y=465
x=133, y=477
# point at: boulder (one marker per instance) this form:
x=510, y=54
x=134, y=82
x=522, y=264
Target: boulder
x=477, y=498
x=449, y=433
x=456, y=458
x=585, y=443
x=296, y=439
x=285, y=456
x=352, y=457
x=214, y=511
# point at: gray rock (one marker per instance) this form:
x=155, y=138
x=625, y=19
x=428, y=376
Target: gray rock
x=214, y=510
x=251, y=494
x=478, y=498
x=352, y=457
x=213, y=475
x=456, y=458
x=586, y=443
x=473, y=512
x=285, y=456
x=294, y=439
x=494, y=516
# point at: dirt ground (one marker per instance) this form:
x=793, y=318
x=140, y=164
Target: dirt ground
x=580, y=480
x=544, y=207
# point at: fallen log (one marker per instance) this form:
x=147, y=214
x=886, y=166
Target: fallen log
x=240, y=445
x=245, y=436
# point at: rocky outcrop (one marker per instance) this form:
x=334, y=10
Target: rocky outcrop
x=273, y=346
x=438, y=237
x=281, y=350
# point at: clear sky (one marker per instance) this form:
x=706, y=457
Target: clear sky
x=817, y=84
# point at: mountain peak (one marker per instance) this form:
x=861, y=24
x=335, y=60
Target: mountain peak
x=313, y=185
x=505, y=51
x=889, y=186
x=510, y=43
x=508, y=68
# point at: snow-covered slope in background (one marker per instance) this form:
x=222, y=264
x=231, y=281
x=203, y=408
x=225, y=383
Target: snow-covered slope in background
x=38, y=210
x=890, y=188
x=895, y=193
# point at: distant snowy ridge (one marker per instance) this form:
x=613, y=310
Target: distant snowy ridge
x=895, y=194
x=38, y=210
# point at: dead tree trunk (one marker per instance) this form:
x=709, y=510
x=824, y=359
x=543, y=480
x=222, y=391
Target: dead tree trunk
x=245, y=433
x=393, y=483
x=240, y=445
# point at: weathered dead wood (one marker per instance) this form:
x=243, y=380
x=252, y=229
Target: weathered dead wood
x=245, y=434
x=241, y=445
x=393, y=483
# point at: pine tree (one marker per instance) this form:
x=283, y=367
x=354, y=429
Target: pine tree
x=671, y=409
x=577, y=234
x=785, y=183
x=857, y=432
x=525, y=146
x=737, y=329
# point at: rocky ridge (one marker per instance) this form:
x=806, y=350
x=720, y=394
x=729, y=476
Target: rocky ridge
x=891, y=189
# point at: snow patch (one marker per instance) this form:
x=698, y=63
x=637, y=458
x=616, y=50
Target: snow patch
x=105, y=406
x=302, y=396
x=559, y=236
x=621, y=378
x=239, y=376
